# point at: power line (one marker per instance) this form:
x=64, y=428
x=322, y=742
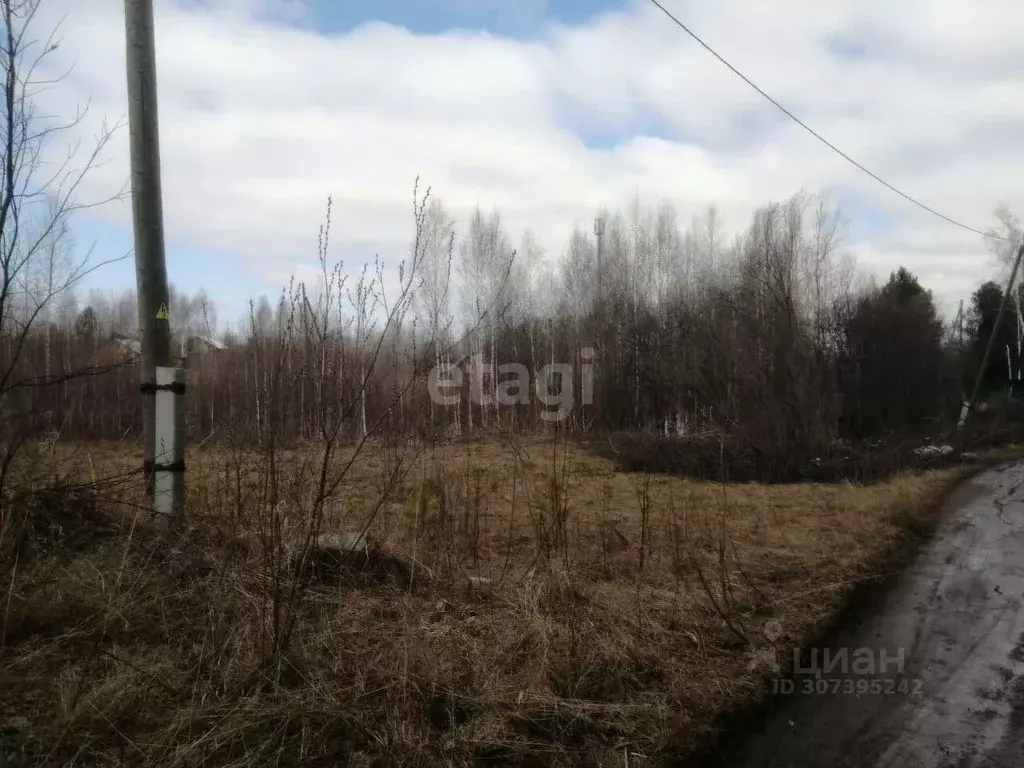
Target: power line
x=818, y=136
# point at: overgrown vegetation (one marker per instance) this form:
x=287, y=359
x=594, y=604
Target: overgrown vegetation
x=372, y=574
x=559, y=612
x=767, y=342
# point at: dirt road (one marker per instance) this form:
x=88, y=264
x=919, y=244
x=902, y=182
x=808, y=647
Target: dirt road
x=940, y=680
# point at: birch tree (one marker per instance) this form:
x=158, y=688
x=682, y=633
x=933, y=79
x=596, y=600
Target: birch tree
x=434, y=296
x=485, y=262
x=39, y=193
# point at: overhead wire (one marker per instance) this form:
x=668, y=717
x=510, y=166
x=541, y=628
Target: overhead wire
x=818, y=136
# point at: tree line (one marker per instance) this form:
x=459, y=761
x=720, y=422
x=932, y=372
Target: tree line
x=772, y=336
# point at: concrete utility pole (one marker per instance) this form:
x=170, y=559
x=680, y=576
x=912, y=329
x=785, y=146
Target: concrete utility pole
x=163, y=386
x=599, y=232
x=966, y=409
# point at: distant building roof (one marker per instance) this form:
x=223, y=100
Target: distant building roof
x=207, y=340
x=129, y=345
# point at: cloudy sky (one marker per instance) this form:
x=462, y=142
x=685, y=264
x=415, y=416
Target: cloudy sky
x=548, y=109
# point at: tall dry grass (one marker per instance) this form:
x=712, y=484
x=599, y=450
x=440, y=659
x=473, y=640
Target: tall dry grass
x=512, y=602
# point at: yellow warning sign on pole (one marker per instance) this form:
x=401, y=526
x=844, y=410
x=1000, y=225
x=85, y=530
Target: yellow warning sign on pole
x=162, y=313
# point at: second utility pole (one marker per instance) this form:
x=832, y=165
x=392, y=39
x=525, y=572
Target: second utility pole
x=966, y=409
x=162, y=385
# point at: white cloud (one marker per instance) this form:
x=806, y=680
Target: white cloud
x=260, y=121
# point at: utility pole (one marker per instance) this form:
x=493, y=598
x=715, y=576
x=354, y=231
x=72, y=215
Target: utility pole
x=965, y=410
x=599, y=233
x=162, y=385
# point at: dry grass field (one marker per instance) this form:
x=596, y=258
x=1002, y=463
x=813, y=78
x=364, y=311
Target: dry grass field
x=515, y=603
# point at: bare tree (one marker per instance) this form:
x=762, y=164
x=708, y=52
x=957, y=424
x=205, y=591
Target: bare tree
x=579, y=274
x=39, y=186
x=485, y=264
x=1009, y=235
x=365, y=300
x=434, y=294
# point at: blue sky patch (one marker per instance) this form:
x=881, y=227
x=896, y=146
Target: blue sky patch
x=596, y=132
x=188, y=270
x=863, y=220
x=510, y=18
x=844, y=46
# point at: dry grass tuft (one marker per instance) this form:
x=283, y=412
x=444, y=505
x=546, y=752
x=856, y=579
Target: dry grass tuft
x=565, y=613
